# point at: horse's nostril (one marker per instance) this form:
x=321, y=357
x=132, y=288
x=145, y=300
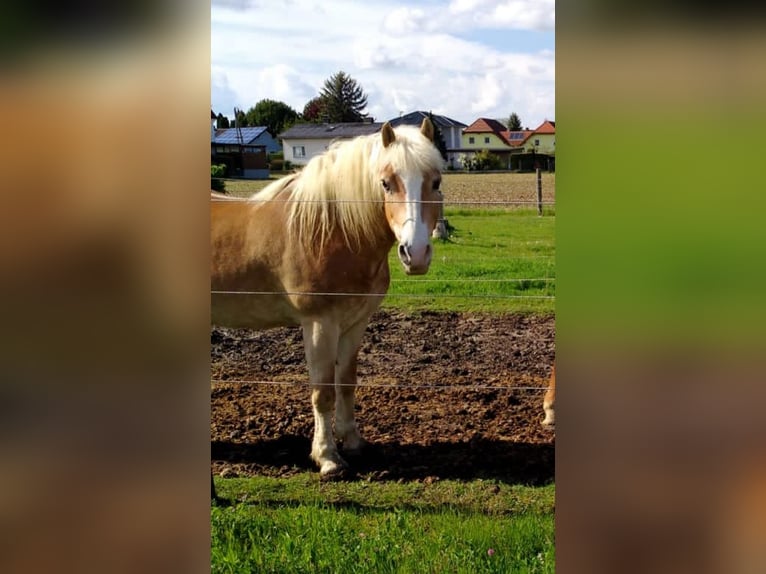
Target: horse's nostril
x=404, y=255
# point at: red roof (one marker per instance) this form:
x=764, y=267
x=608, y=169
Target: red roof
x=511, y=138
x=484, y=125
x=516, y=139
x=547, y=127
x=488, y=125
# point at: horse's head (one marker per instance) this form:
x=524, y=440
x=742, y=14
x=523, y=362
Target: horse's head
x=410, y=175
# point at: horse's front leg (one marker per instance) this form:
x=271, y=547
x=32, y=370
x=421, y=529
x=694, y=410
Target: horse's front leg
x=320, y=339
x=346, y=429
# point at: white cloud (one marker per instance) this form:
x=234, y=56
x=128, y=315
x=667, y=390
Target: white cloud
x=222, y=97
x=404, y=20
x=429, y=57
x=235, y=4
x=513, y=14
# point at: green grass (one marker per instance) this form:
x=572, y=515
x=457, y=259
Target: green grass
x=301, y=525
x=496, y=261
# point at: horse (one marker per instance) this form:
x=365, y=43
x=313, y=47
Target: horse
x=311, y=250
x=549, y=402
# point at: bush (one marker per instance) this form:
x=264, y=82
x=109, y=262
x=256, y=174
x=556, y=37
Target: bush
x=276, y=164
x=482, y=161
x=217, y=173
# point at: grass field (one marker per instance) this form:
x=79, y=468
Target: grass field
x=495, y=260
x=301, y=525
x=498, y=259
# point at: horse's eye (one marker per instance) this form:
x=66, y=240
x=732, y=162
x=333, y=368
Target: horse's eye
x=437, y=184
x=385, y=185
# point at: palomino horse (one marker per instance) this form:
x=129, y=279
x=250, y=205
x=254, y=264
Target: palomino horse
x=312, y=250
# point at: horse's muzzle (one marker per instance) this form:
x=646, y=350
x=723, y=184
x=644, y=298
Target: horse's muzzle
x=415, y=261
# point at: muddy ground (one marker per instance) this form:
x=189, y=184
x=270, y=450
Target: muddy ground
x=482, y=421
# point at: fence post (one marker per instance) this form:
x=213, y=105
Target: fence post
x=539, y=191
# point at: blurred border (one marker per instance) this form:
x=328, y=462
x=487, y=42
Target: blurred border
x=660, y=243
x=104, y=400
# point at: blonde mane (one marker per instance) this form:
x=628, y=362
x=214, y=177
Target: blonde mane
x=340, y=188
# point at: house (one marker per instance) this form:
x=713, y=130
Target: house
x=243, y=150
x=451, y=130
x=517, y=150
x=534, y=148
x=544, y=138
x=488, y=134
x=301, y=142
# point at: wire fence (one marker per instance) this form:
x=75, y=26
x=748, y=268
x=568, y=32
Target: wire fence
x=443, y=260
x=361, y=385
x=446, y=203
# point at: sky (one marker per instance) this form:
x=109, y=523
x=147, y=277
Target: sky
x=463, y=59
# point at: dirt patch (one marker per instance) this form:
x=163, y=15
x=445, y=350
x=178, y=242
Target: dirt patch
x=480, y=419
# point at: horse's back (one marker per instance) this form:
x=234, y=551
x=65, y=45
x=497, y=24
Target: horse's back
x=247, y=246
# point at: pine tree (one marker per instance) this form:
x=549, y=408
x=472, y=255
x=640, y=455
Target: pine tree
x=344, y=99
x=514, y=122
x=438, y=137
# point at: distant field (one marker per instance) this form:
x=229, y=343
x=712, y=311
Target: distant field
x=457, y=187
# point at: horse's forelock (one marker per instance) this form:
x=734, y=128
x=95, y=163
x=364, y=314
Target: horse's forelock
x=411, y=151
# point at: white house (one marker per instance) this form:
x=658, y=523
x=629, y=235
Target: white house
x=451, y=130
x=301, y=142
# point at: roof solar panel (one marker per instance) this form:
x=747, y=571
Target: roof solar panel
x=230, y=136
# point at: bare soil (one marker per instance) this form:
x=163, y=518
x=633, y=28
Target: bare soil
x=480, y=419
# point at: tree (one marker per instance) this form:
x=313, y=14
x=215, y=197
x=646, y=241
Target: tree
x=514, y=122
x=240, y=119
x=438, y=137
x=275, y=116
x=313, y=111
x=221, y=121
x=344, y=99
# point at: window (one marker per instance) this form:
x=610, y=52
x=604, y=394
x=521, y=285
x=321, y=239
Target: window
x=537, y=142
x=299, y=151
x=486, y=139
x=471, y=140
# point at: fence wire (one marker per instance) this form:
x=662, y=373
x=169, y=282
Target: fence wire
x=444, y=260
x=377, y=385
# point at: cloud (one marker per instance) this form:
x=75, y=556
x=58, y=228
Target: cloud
x=286, y=84
x=426, y=56
x=403, y=21
x=512, y=14
x=240, y=5
x=222, y=97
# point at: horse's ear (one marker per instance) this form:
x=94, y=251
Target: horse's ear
x=427, y=129
x=388, y=134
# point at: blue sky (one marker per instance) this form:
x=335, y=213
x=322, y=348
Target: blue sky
x=461, y=58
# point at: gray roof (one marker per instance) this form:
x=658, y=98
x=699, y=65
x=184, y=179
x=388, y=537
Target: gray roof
x=330, y=131
x=230, y=136
x=416, y=118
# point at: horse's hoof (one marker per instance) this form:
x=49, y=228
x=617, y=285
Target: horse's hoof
x=336, y=473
